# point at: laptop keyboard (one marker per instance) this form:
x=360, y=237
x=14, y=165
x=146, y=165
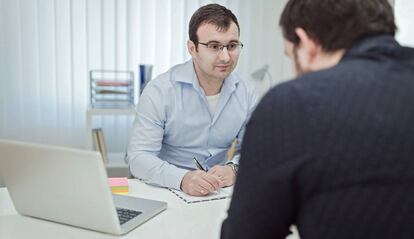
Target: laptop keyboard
x=125, y=215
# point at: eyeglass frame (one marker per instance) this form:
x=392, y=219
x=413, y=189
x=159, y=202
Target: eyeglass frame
x=221, y=47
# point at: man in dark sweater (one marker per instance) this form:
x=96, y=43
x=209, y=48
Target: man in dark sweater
x=332, y=152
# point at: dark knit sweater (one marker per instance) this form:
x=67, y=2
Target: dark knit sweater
x=332, y=152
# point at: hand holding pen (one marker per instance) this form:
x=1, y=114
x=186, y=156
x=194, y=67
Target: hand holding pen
x=199, y=183
x=223, y=172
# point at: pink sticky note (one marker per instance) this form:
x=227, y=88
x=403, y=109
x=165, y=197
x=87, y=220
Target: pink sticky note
x=113, y=182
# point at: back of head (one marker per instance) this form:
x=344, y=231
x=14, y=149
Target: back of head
x=211, y=14
x=337, y=24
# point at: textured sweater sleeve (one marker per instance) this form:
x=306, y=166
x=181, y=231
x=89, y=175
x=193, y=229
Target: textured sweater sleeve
x=272, y=153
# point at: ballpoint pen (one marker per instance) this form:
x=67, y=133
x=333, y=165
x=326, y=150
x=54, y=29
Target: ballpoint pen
x=198, y=164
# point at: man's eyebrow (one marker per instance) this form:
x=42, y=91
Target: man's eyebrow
x=213, y=41
x=231, y=41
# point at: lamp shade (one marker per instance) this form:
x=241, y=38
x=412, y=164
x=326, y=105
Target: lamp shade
x=260, y=73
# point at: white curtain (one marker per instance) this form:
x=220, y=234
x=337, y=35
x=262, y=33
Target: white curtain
x=47, y=48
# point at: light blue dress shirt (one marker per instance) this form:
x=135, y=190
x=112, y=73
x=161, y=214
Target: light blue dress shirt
x=173, y=125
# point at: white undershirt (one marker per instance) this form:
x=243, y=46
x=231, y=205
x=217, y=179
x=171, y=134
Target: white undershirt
x=212, y=101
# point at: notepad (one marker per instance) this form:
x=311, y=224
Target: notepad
x=118, y=185
x=221, y=194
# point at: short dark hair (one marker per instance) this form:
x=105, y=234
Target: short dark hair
x=337, y=24
x=211, y=14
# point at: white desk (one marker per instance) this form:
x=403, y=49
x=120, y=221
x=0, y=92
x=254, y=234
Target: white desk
x=180, y=220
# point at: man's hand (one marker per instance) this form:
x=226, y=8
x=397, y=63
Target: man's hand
x=199, y=183
x=225, y=173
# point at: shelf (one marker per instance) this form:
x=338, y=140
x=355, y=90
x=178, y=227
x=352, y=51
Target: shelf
x=91, y=112
x=111, y=111
x=111, y=88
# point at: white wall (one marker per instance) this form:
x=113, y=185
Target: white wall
x=47, y=48
x=404, y=17
x=264, y=42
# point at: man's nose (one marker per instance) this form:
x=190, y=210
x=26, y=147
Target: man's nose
x=224, y=55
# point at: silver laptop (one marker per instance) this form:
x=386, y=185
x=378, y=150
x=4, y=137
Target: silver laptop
x=69, y=186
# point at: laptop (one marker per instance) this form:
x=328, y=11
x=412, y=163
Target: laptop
x=69, y=186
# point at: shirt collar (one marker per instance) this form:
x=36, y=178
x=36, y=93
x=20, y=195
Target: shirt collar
x=377, y=44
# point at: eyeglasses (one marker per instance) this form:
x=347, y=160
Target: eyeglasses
x=216, y=47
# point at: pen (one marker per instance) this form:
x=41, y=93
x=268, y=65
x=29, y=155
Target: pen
x=198, y=164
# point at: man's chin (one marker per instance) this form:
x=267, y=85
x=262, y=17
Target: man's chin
x=223, y=75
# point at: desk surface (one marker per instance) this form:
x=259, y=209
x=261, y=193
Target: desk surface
x=180, y=220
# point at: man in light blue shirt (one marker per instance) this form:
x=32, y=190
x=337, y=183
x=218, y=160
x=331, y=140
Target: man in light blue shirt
x=194, y=110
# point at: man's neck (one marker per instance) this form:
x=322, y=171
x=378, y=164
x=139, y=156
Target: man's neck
x=328, y=60
x=210, y=86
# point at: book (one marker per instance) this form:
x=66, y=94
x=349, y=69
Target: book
x=221, y=194
x=145, y=72
x=95, y=140
x=99, y=143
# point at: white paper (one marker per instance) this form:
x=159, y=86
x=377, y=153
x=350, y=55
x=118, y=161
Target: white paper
x=221, y=194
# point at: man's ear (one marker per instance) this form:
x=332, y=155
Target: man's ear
x=191, y=47
x=307, y=43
